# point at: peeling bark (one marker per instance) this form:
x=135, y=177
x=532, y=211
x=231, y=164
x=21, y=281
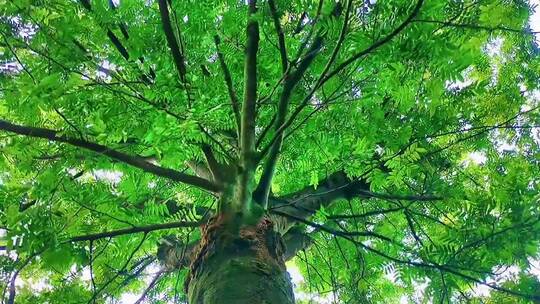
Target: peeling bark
x=239, y=266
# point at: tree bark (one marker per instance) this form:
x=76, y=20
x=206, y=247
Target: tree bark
x=239, y=265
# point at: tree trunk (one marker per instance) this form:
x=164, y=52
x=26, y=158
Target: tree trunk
x=237, y=265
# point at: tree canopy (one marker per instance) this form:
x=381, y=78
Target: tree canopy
x=395, y=144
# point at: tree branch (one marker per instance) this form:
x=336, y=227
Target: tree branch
x=476, y=26
x=95, y=294
x=398, y=197
x=326, y=76
x=333, y=231
x=117, y=44
x=278, y=137
x=213, y=164
x=281, y=37
x=230, y=88
x=377, y=44
x=153, y=283
x=12, y=281
x=114, y=39
x=135, y=161
x=172, y=41
x=145, y=229
x=304, y=203
x=249, y=112
x=274, y=147
x=176, y=51
x=247, y=142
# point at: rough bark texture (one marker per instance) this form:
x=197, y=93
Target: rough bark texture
x=239, y=265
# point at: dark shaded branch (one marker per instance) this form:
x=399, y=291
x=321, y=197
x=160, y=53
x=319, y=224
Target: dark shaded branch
x=145, y=229
x=178, y=57
x=295, y=240
x=306, y=40
x=281, y=36
x=114, y=39
x=117, y=44
x=304, y=203
x=228, y=81
x=213, y=165
x=411, y=227
x=136, y=270
x=386, y=196
x=86, y=4
x=135, y=161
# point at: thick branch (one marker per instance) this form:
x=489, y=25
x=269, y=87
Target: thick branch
x=335, y=186
x=281, y=37
x=12, y=281
x=178, y=57
x=247, y=138
x=295, y=240
x=135, y=161
x=249, y=112
x=117, y=44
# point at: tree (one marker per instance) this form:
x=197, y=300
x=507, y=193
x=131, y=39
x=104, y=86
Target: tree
x=379, y=146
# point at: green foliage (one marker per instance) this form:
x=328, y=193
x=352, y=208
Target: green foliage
x=461, y=80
